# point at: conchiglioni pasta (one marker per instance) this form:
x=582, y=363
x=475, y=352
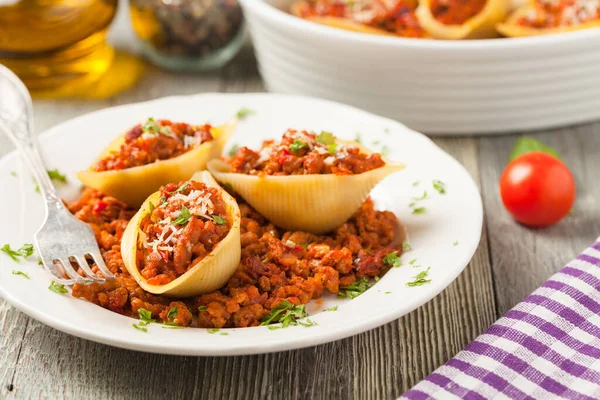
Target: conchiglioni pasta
x=149, y=155
x=305, y=182
x=185, y=239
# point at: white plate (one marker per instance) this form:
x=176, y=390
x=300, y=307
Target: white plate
x=434, y=86
x=453, y=217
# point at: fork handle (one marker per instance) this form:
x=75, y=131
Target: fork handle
x=21, y=134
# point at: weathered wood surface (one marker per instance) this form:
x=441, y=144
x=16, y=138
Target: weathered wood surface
x=39, y=362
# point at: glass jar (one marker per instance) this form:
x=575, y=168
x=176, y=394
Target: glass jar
x=188, y=34
x=56, y=43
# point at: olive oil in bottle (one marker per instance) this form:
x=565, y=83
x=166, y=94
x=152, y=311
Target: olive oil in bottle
x=55, y=43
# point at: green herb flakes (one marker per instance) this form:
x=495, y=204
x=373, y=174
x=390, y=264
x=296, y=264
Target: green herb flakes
x=13, y=173
x=172, y=313
x=419, y=210
x=40, y=262
x=24, y=251
x=416, y=183
x=423, y=197
x=334, y=308
x=145, y=315
x=244, y=112
x=355, y=289
x=21, y=273
x=183, y=217
x=392, y=260
x=384, y=151
x=140, y=327
x=56, y=176
x=325, y=138
x=151, y=126
x=286, y=314
x=202, y=308
x=212, y=331
x=455, y=243
x=218, y=220
x=420, y=279
x=332, y=148
x=412, y=262
x=297, y=145
x=233, y=150
x=406, y=246
x=357, y=138
x=439, y=186
x=57, y=288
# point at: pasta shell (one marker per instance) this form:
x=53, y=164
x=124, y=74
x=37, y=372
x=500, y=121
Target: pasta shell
x=311, y=203
x=211, y=272
x=511, y=27
x=481, y=26
x=133, y=185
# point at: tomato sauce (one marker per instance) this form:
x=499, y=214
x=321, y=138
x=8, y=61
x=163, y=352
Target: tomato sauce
x=456, y=12
x=276, y=266
x=560, y=13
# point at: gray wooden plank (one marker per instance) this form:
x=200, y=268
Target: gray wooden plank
x=524, y=258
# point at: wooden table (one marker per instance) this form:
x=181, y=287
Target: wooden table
x=37, y=361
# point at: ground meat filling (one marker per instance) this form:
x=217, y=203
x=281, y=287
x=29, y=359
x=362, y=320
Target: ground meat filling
x=394, y=16
x=154, y=141
x=183, y=228
x=561, y=13
x=456, y=12
x=304, y=153
x=275, y=266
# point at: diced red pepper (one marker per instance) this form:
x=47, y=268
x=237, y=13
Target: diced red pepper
x=99, y=206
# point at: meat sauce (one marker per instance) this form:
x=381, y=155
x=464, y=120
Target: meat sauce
x=397, y=17
x=303, y=153
x=154, y=141
x=189, y=221
x=456, y=12
x=275, y=266
x=562, y=13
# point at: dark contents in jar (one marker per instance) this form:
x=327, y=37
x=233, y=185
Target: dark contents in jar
x=187, y=28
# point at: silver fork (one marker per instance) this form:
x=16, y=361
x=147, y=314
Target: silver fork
x=62, y=239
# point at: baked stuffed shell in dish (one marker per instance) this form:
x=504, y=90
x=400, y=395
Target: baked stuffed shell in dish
x=395, y=17
x=306, y=181
x=470, y=19
x=185, y=239
x=153, y=154
x=541, y=17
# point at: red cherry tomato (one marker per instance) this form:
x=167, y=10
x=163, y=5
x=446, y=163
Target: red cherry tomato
x=537, y=189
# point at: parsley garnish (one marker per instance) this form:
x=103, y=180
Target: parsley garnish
x=151, y=207
x=307, y=323
x=233, y=150
x=183, y=217
x=201, y=308
x=455, y=243
x=172, y=313
x=392, y=260
x=297, y=145
x=416, y=183
x=355, y=289
x=439, y=186
x=218, y=220
x=37, y=187
x=23, y=274
x=357, y=138
x=13, y=173
x=384, y=151
x=213, y=330
x=411, y=262
x=40, y=262
x=25, y=251
x=140, y=327
x=420, y=279
x=423, y=197
x=166, y=326
x=419, y=210
x=387, y=130
x=285, y=313
x=145, y=315
x=326, y=138
x=406, y=246
x=334, y=308
x=151, y=126
x=224, y=334
x=57, y=288
x=244, y=112
x=55, y=175
x=332, y=148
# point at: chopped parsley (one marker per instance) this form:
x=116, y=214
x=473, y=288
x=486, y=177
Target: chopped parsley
x=202, y=308
x=307, y=323
x=420, y=279
x=387, y=292
x=357, y=138
x=13, y=173
x=140, y=327
x=411, y=262
x=297, y=145
x=326, y=138
x=24, y=251
x=23, y=274
x=286, y=314
x=332, y=148
x=183, y=217
x=224, y=334
x=355, y=289
x=244, y=112
x=387, y=130
x=181, y=188
x=233, y=150
x=40, y=262
x=334, y=308
x=172, y=312
x=57, y=288
x=151, y=207
x=172, y=327
x=218, y=220
x=423, y=197
x=384, y=151
x=416, y=183
x=213, y=330
x=55, y=175
x=455, y=243
x=151, y=126
x=439, y=186
x=145, y=315
x=406, y=246
x=37, y=187
x=392, y=260
x=419, y=210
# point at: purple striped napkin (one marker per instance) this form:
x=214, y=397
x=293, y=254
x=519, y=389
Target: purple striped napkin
x=547, y=346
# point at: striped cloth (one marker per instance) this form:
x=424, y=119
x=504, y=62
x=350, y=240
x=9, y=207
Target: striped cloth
x=546, y=347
